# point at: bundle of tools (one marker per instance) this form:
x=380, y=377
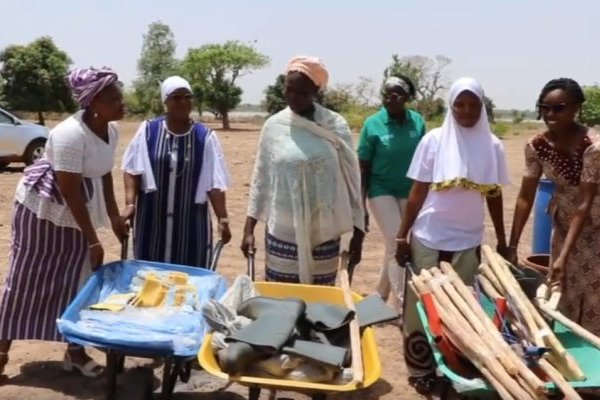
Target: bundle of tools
x=462, y=327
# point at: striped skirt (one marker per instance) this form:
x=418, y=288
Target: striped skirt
x=46, y=262
x=282, y=261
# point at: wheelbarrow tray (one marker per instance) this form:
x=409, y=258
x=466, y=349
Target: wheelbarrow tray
x=310, y=294
x=88, y=295
x=586, y=354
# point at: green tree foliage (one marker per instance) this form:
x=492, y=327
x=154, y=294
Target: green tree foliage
x=275, y=96
x=429, y=77
x=156, y=63
x=517, y=116
x=489, y=108
x=213, y=70
x=590, y=113
x=34, y=78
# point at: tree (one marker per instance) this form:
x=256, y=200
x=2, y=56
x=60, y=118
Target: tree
x=34, y=78
x=156, y=63
x=275, y=96
x=489, y=108
x=428, y=76
x=517, y=116
x=213, y=69
x=365, y=93
x=590, y=113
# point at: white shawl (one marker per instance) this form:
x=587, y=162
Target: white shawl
x=318, y=211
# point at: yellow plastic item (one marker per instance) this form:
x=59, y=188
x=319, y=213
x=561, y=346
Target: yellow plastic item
x=308, y=293
x=152, y=294
x=116, y=302
x=177, y=278
x=182, y=292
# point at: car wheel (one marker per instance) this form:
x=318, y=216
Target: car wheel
x=34, y=151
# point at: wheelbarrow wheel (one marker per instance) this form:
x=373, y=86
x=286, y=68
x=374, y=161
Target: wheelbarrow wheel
x=172, y=371
x=143, y=378
x=319, y=396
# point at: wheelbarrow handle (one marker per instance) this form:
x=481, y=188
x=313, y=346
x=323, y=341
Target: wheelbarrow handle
x=124, y=248
x=215, y=255
x=250, y=269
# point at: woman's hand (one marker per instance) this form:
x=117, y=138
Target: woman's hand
x=402, y=252
x=225, y=233
x=355, y=246
x=128, y=213
x=96, y=255
x=247, y=246
x=119, y=227
x=556, y=277
x=511, y=254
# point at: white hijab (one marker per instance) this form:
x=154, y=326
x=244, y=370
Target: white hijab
x=473, y=153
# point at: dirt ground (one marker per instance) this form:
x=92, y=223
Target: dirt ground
x=35, y=372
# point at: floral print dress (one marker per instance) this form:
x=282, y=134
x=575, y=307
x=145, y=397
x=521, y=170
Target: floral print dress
x=582, y=269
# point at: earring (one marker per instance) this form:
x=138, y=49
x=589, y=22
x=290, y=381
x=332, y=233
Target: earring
x=95, y=115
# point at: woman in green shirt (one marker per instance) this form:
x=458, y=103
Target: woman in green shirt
x=387, y=143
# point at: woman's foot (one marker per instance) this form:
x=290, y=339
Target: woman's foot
x=77, y=359
x=3, y=362
x=425, y=384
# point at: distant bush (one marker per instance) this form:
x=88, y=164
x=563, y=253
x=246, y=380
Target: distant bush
x=500, y=129
x=356, y=115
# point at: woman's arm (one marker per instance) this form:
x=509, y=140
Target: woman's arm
x=587, y=192
x=132, y=184
x=523, y=207
x=248, y=245
x=496, y=209
x=109, y=196
x=219, y=205
x=70, y=186
x=416, y=198
x=365, y=170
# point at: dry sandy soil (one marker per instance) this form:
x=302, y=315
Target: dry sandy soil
x=34, y=371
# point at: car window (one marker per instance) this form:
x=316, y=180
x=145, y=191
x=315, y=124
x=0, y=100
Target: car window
x=5, y=119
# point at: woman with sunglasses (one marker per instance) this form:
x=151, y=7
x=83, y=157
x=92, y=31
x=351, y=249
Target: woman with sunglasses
x=456, y=169
x=387, y=143
x=172, y=168
x=567, y=153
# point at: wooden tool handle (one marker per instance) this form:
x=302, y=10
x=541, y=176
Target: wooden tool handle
x=357, y=361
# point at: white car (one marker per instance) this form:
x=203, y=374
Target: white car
x=20, y=141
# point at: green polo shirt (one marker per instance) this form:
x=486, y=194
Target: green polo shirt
x=389, y=147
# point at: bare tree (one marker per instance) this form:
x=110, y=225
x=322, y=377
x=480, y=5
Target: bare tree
x=427, y=74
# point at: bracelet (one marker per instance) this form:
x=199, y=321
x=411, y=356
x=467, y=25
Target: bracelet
x=129, y=205
x=97, y=244
x=401, y=240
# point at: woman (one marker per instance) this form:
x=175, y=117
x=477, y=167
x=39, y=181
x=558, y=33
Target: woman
x=568, y=153
x=306, y=184
x=455, y=169
x=60, y=202
x=387, y=143
x=172, y=167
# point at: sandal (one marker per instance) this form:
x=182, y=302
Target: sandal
x=3, y=362
x=90, y=369
x=424, y=385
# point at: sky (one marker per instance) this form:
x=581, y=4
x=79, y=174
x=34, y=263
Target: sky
x=513, y=47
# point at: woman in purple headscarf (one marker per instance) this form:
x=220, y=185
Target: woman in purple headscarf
x=60, y=202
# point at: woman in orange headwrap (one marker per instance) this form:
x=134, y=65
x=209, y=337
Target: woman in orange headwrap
x=306, y=184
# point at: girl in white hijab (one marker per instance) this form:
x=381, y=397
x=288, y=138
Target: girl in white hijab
x=456, y=169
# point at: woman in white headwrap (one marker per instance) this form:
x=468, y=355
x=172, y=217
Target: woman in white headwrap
x=456, y=169
x=172, y=168
x=306, y=184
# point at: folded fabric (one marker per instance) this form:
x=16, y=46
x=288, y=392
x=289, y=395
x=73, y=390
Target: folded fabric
x=325, y=317
x=267, y=334
x=241, y=290
x=222, y=319
x=256, y=306
x=329, y=355
x=237, y=357
x=372, y=310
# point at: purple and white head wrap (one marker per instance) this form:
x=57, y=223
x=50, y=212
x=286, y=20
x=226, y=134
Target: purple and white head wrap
x=86, y=83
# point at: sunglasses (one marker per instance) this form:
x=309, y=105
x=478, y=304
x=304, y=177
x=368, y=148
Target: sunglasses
x=393, y=96
x=181, y=97
x=555, y=108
